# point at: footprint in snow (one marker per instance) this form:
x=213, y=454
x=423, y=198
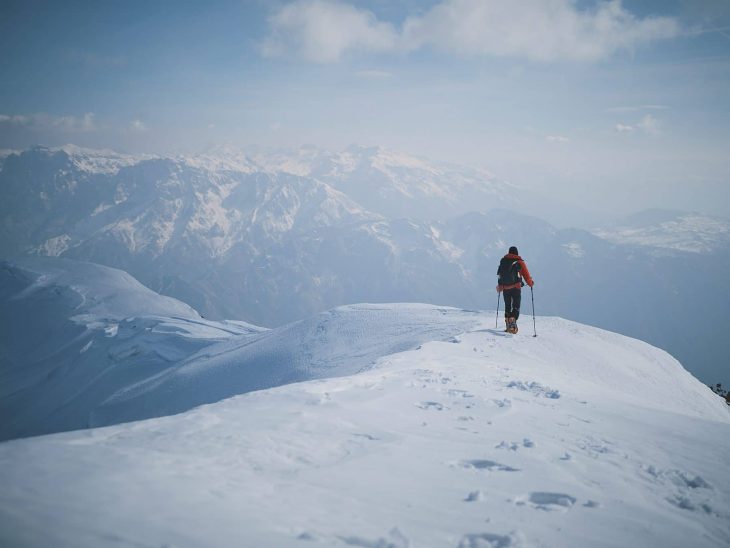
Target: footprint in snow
x=685, y=503
x=488, y=540
x=367, y=437
x=690, y=490
x=513, y=445
x=484, y=464
x=474, y=496
x=310, y=536
x=544, y=500
x=535, y=388
x=678, y=478
x=459, y=393
x=430, y=405
x=395, y=539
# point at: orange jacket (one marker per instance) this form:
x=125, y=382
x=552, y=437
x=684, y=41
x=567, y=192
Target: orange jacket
x=524, y=273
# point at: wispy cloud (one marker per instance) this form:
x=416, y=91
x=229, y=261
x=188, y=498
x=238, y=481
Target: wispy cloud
x=137, y=125
x=43, y=121
x=324, y=31
x=559, y=139
x=647, y=124
x=15, y=119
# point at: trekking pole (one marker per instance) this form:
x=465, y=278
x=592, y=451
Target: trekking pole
x=496, y=318
x=532, y=295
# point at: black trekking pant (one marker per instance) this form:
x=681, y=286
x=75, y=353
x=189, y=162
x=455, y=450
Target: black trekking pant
x=512, y=299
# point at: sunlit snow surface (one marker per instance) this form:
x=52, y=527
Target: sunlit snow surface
x=578, y=437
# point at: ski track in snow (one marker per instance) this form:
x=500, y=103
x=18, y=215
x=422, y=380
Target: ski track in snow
x=469, y=444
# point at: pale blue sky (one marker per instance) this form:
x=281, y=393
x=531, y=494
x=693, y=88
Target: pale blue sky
x=624, y=105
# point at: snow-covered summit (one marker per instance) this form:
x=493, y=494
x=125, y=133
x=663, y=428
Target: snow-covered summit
x=95, y=161
x=392, y=425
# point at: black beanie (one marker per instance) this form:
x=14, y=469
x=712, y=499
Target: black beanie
x=513, y=250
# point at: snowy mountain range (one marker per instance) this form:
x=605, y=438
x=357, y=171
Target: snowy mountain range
x=368, y=425
x=671, y=230
x=273, y=237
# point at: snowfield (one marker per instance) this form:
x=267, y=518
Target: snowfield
x=469, y=438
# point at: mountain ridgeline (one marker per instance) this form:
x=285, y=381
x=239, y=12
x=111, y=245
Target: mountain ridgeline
x=274, y=237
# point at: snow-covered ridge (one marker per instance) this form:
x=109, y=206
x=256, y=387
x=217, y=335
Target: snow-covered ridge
x=98, y=161
x=385, y=425
x=104, y=349
x=73, y=333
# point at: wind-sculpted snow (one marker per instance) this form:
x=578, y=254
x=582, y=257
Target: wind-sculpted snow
x=72, y=334
x=340, y=342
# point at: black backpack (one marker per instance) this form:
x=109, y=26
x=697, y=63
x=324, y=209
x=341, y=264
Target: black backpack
x=509, y=271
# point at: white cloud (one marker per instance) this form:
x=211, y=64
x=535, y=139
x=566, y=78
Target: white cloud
x=16, y=119
x=648, y=124
x=322, y=31
x=43, y=122
x=557, y=139
x=137, y=125
x=540, y=30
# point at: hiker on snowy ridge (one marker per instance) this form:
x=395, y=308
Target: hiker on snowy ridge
x=512, y=275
